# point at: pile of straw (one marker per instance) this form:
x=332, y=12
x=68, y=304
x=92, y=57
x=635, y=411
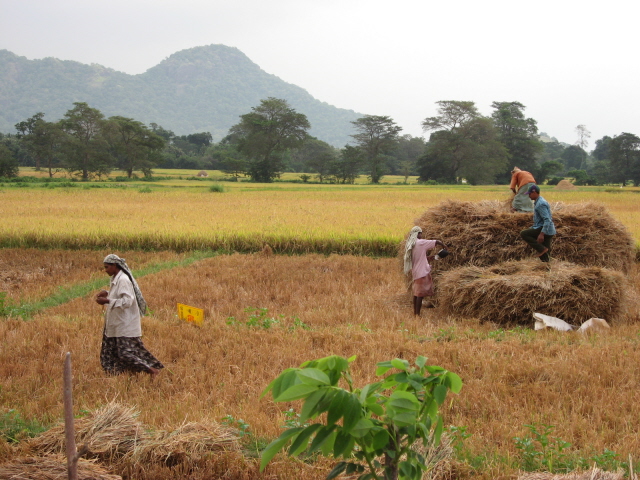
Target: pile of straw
x=109, y=433
x=186, y=445
x=593, y=474
x=486, y=233
x=511, y=292
x=52, y=467
x=565, y=185
x=437, y=459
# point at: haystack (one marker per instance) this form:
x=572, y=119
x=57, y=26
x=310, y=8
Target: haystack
x=186, y=445
x=52, y=467
x=202, y=174
x=593, y=474
x=511, y=292
x=565, y=185
x=486, y=233
x=109, y=433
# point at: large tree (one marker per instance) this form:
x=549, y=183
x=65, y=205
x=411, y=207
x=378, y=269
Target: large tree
x=266, y=133
x=376, y=137
x=86, y=149
x=315, y=156
x=573, y=157
x=624, y=158
x=583, y=142
x=464, y=145
x=519, y=135
x=134, y=146
x=43, y=140
x=347, y=167
x=8, y=164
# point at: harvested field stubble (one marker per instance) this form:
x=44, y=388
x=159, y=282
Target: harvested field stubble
x=486, y=233
x=348, y=305
x=511, y=292
x=52, y=467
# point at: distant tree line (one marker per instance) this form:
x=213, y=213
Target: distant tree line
x=463, y=146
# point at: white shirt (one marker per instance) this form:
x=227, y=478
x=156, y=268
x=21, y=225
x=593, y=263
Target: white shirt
x=122, y=317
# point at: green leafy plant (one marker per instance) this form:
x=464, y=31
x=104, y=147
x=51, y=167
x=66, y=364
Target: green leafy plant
x=217, y=188
x=238, y=424
x=380, y=421
x=541, y=451
x=15, y=428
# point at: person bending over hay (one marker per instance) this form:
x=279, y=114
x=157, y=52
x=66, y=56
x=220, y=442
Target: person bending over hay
x=539, y=237
x=122, y=347
x=416, y=261
x=521, y=181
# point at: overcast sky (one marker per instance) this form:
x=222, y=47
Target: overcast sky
x=569, y=62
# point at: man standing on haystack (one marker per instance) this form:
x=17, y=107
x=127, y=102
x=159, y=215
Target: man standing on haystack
x=520, y=183
x=416, y=261
x=539, y=237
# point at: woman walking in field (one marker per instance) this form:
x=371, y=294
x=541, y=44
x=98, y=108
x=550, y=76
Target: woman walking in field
x=122, y=348
x=416, y=261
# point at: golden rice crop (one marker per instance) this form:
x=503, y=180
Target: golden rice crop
x=340, y=305
x=290, y=217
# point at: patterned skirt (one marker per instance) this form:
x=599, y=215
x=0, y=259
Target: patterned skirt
x=126, y=354
x=423, y=287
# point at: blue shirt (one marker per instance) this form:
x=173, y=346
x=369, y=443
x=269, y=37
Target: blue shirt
x=542, y=217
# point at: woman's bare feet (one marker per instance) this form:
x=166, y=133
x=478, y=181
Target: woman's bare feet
x=543, y=252
x=154, y=372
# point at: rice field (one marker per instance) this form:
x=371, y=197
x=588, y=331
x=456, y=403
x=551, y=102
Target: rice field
x=266, y=312
x=291, y=218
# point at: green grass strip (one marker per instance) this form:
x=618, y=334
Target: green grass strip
x=66, y=294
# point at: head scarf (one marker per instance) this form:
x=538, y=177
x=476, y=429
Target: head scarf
x=408, y=248
x=122, y=263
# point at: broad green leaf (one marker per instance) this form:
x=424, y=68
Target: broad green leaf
x=321, y=437
x=406, y=469
x=295, y=393
x=404, y=419
x=404, y=400
x=421, y=361
x=310, y=407
x=433, y=369
x=353, y=412
x=276, y=382
x=327, y=446
x=341, y=443
x=287, y=380
x=362, y=428
x=381, y=370
x=352, y=358
x=337, y=470
x=401, y=377
x=373, y=406
x=313, y=376
x=440, y=394
x=353, y=468
x=454, y=382
x=438, y=431
x=400, y=364
x=302, y=440
x=380, y=440
x=275, y=446
x=337, y=407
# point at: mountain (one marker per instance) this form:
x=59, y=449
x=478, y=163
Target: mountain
x=201, y=89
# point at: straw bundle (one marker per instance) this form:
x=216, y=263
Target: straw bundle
x=52, y=467
x=111, y=431
x=593, y=474
x=437, y=459
x=565, y=185
x=512, y=291
x=185, y=445
x=486, y=233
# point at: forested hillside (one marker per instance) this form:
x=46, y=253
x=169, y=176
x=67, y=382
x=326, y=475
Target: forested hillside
x=195, y=90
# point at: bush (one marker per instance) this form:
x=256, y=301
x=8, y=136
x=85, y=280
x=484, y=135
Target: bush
x=555, y=180
x=217, y=188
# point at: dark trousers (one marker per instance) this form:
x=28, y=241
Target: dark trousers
x=530, y=235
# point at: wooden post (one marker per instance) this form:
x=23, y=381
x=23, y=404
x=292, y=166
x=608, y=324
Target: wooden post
x=69, y=430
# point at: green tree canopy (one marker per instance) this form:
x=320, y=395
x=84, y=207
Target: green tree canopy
x=8, y=164
x=519, y=135
x=265, y=133
x=86, y=149
x=624, y=158
x=376, y=136
x=134, y=146
x=466, y=145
